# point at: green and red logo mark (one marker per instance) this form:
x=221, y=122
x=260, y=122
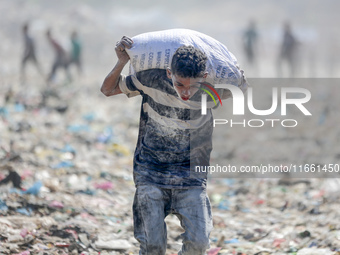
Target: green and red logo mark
x=209, y=93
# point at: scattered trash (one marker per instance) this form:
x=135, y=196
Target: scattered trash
x=214, y=251
x=104, y=185
x=72, y=194
x=304, y=234
x=25, y=211
x=56, y=204
x=34, y=189
x=113, y=245
x=314, y=251
x=66, y=181
x=62, y=245
x=23, y=253
x=231, y=241
x=63, y=164
x=277, y=242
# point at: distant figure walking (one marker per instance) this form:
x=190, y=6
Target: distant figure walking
x=29, y=53
x=288, y=51
x=76, y=50
x=61, y=60
x=249, y=42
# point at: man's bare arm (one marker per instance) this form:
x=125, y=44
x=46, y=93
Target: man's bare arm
x=110, y=85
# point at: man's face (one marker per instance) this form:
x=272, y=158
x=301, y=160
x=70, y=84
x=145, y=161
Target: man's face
x=185, y=87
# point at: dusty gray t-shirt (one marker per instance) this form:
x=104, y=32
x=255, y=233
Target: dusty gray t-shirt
x=174, y=136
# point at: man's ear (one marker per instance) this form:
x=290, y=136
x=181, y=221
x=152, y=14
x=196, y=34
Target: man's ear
x=168, y=73
x=205, y=75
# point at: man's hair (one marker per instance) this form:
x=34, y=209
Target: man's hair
x=188, y=62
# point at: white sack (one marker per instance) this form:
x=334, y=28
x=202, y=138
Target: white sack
x=155, y=50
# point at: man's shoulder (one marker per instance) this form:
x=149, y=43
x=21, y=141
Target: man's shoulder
x=152, y=76
x=155, y=79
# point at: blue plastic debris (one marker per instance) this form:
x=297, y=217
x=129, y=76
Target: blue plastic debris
x=25, y=211
x=229, y=182
x=106, y=136
x=15, y=191
x=63, y=164
x=3, y=206
x=87, y=192
x=4, y=112
x=68, y=148
x=245, y=210
x=35, y=189
x=78, y=128
x=313, y=244
x=231, y=241
x=224, y=205
x=89, y=117
x=19, y=107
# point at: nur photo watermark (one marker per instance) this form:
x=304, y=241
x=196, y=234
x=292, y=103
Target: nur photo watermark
x=286, y=97
x=279, y=128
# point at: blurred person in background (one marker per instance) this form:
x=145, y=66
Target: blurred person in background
x=288, y=51
x=12, y=176
x=250, y=38
x=61, y=59
x=76, y=50
x=333, y=52
x=29, y=53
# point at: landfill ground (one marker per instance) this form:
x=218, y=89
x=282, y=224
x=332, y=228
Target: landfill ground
x=73, y=148
x=74, y=153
